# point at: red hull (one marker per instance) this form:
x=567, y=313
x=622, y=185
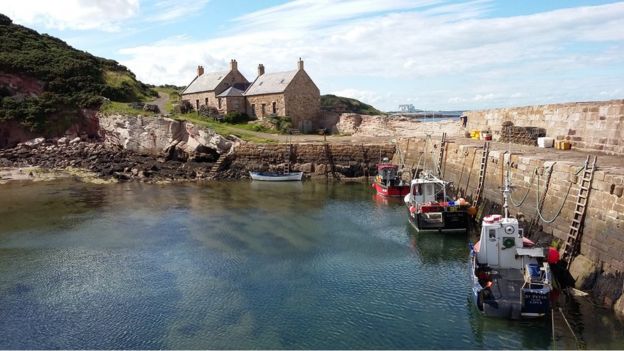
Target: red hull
x=391, y=191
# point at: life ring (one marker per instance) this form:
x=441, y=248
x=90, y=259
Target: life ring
x=509, y=242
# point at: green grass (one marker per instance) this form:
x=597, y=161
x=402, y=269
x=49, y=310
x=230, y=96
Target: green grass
x=122, y=108
x=239, y=130
x=124, y=81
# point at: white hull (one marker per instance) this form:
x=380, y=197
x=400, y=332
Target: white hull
x=276, y=177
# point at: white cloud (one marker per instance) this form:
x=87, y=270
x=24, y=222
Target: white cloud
x=72, y=14
x=100, y=15
x=169, y=10
x=406, y=47
x=317, y=13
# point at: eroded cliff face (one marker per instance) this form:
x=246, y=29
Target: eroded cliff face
x=393, y=126
x=155, y=135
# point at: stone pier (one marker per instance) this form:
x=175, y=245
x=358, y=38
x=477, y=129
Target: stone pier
x=589, y=126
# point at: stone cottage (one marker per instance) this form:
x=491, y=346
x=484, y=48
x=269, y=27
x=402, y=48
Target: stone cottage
x=291, y=93
x=203, y=90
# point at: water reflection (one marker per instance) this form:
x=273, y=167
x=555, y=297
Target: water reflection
x=238, y=265
x=437, y=247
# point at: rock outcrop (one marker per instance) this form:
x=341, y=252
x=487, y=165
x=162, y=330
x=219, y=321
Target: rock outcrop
x=158, y=135
x=103, y=161
x=393, y=126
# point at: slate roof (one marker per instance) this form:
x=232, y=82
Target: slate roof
x=231, y=91
x=271, y=83
x=205, y=82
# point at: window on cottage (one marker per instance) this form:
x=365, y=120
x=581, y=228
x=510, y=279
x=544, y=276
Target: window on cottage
x=197, y=104
x=263, y=109
x=219, y=102
x=236, y=103
x=274, y=107
x=253, y=109
x=206, y=102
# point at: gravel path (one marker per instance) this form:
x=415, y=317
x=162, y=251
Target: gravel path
x=161, y=101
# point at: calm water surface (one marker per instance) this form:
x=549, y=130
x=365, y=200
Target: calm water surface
x=244, y=265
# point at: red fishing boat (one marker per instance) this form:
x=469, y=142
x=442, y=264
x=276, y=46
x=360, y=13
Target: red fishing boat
x=388, y=181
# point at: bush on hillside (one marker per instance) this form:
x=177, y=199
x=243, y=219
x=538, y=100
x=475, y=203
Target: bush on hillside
x=342, y=104
x=281, y=124
x=236, y=118
x=72, y=79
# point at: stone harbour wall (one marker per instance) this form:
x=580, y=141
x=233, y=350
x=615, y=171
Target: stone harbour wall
x=600, y=266
x=316, y=160
x=589, y=126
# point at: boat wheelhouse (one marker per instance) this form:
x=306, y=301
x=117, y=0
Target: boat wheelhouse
x=429, y=207
x=388, y=181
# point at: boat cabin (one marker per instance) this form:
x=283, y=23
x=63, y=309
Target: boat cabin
x=501, y=244
x=387, y=172
x=426, y=190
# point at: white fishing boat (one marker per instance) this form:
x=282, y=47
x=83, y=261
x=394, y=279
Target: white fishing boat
x=510, y=278
x=430, y=209
x=276, y=176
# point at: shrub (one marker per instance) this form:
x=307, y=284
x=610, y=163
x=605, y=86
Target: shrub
x=282, y=124
x=182, y=107
x=207, y=111
x=236, y=118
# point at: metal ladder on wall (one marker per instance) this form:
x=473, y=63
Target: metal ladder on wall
x=484, y=160
x=574, y=234
x=287, y=159
x=441, y=155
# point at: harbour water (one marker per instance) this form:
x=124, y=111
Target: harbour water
x=245, y=265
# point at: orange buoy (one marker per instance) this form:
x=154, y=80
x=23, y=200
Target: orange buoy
x=472, y=211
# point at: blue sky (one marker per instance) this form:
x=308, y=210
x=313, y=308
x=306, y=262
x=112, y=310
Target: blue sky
x=434, y=54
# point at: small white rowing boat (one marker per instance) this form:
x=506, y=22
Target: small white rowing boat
x=276, y=177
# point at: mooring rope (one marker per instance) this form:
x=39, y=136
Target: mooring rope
x=569, y=327
x=538, y=205
x=552, y=315
x=527, y=192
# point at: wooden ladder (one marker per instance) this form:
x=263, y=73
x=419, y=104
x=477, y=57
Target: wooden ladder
x=575, y=231
x=330, y=159
x=441, y=155
x=217, y=166
x=484, y=161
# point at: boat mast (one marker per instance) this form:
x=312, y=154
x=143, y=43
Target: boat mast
x=507, y=190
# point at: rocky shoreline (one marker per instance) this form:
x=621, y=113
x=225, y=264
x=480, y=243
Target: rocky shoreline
x=50, y=159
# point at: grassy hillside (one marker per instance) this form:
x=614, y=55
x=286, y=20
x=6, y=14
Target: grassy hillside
x=343, y=104
x=69, y=79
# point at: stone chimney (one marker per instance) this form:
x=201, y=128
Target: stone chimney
x=260, y=70
x=233, y=65
x=200, y=70
x=300, y=64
